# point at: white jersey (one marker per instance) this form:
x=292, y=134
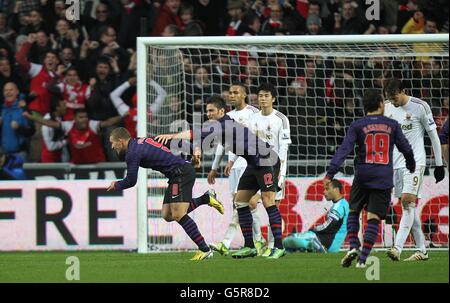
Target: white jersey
x=415, y=118
x=243, y=117
x=275, y=130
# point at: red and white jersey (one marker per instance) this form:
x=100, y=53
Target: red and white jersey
x=75, y=97
x=51, y=150
x=40, y=77
x=85, y=145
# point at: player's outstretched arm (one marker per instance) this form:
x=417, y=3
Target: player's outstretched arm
x=132, y=175
x=110, y=122
x=342, y=152
x=185, y=135
x=46, y=122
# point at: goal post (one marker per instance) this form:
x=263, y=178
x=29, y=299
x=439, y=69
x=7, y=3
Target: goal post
x=320, y=80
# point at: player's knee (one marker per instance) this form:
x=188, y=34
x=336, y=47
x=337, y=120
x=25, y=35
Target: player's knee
x=408, y=200
x=241, y=204
x=268, y=200
x=372, y=216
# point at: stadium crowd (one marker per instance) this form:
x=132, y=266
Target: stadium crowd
x=81, y=73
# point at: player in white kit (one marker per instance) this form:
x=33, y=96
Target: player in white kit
x=272, y=127
x=415, y=117
x=234, y=170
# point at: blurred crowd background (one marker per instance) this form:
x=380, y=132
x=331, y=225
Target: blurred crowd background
x=80, y=74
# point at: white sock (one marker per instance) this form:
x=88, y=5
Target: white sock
x=256, y=225
x=231, y=230
x=416, y=230
x=270, y=238
x=406, y=223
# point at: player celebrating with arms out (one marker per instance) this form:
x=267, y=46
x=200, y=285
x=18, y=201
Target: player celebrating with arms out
x=272, y=127
x=178, y=202
x=263, y=166
x=375, y=136
x=234, y=170
x=415, y=117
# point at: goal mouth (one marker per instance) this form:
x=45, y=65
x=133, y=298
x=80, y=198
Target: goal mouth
x=320, y=81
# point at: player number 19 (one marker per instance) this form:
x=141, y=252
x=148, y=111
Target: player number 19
x=377, y=148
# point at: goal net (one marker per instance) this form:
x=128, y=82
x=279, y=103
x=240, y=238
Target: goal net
x=320, y=82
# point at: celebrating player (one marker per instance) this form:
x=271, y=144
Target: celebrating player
x=415, y=117
x=263, y=166
x=328, y=236
x=241, y=113
x=375, y=136
x=272, y=127
x=178, y=202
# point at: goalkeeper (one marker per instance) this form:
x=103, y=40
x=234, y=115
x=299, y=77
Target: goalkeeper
x=328, y=236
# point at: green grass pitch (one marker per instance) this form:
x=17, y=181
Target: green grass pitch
x=176, y=267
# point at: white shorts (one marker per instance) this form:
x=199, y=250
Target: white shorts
x=408, y=183
x=235, y=176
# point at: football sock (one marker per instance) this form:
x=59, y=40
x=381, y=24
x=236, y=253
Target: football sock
x=246, y=222
x=352, y=230
x=370, y=236
x=191, y=229
x=256, y=225
x=404, y=229
x=275, y=224
x=270, y=238
x=231, y=230
x=419, y=237
x=196, y=202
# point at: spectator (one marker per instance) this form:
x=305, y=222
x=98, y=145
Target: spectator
x=314, y=25
x=65, y=36
x=103, y=17
x=210, y=13
x=39, y=48
x=201, y=87
x=236, y=13
x=349, y=22
x=186, y=15
x=171, y=30
x=274, y=23
x=73, y=91
x=16, y=130
x=168, y=14
x=36, y=23
x=53, y=141
x=415, y=25
x=82, y=136
x=6, y=32
x=129, y=112
x=9, y=74
x=99, y=105
x=251, y=26
x=40, y=75
x=11, y=167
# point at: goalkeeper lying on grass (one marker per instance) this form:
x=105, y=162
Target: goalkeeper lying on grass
x=329, y=236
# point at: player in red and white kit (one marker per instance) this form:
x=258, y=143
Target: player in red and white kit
x=130, y=112
x=82, y=136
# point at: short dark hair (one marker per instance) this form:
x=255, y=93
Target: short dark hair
x=79, y=111
x=268, y=87
x=337, y=184
x=120, y=133
x=371, y=100
x=217, y=101
x=239, y=83
x=314, y=2
x=393, y=86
